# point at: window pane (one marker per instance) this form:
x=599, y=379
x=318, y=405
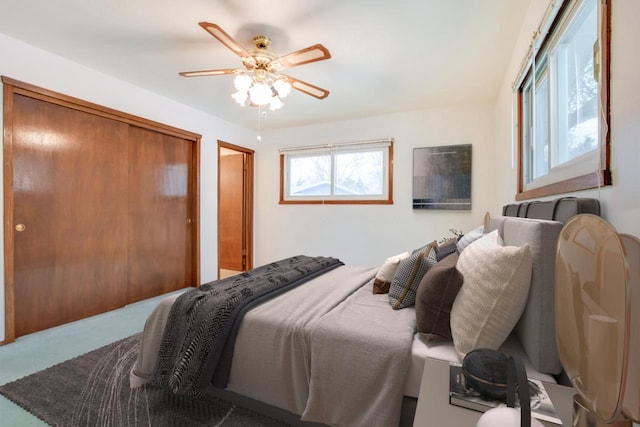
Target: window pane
x=310, y=176
x=336, y=174
x=541, y=135
x=527, y=133
x=360, y=173
x=564, y=114
x=577, y=90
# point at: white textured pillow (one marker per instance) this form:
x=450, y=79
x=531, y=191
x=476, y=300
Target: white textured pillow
x=388, y=269
x=493, y=295
x=385, y=273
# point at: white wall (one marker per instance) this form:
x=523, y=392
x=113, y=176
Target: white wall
x=621, y=201
x=31, y=65
x=367, y=234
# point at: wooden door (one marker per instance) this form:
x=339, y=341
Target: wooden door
x=70, y=252
x=231, y=211
x=235, y=207
x=101, y=208
x=159, y=238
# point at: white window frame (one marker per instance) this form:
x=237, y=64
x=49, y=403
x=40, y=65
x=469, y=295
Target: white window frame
x=332, y=150
x=590, y=169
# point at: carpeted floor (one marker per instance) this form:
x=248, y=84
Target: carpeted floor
x=93, y=389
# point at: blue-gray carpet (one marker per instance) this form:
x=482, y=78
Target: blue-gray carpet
x=93, y=389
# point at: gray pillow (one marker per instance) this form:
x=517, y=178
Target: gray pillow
x=446, y=248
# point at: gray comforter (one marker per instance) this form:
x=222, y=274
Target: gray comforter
x=328, y=349
x=360, y=356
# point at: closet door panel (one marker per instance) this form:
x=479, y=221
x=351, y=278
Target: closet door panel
x=159, y=238
x=70, y=253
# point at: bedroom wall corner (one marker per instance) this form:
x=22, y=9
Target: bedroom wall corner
x=2, y=290
x=506, y=150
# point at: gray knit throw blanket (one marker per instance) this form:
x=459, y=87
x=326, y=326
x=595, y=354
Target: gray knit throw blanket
x=200, y=332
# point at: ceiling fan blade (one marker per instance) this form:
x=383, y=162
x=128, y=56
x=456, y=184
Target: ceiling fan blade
x=314, y=53
x=207, y=72
x=224, y=38
x=308, y=88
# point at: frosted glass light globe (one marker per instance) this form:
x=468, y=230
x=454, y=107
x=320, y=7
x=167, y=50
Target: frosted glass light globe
x=260, y=94
x=242, y=82
x=275, y=103
x=283, y=87
x=240, y=97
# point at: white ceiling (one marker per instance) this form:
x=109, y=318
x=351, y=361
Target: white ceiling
x=387, y=56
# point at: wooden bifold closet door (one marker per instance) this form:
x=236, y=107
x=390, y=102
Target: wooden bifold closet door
x=159, y=238
x=102, y=214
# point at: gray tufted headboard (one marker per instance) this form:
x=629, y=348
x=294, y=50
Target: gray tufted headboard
x=536, y=329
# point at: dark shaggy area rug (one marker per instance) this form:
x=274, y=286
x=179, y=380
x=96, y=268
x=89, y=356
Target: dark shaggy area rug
x=93, y=390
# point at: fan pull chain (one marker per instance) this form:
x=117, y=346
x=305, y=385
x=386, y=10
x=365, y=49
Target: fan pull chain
x=259, y=138
x=262, y=115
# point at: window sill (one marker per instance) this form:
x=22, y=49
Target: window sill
x=584, y=182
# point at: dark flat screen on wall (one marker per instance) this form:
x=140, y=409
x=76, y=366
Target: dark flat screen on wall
x=442, y=177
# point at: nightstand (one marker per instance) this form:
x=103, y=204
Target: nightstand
x=434, y=410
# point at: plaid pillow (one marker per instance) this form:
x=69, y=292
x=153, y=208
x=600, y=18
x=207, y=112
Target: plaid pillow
x=404, y=285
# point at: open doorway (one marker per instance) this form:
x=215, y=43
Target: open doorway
x=235, y=209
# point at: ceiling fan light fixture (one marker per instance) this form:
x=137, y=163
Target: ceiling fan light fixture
x=260, y=75
x=275, y=103
x=282, y=86
x=260, y=94
x=242, y=82
x=240, y=97
x=259, y=81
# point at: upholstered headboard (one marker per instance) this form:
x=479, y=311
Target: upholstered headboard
x=536, y=329
x=561, y=209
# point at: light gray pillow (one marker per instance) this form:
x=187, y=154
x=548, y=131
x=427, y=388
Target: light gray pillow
x=469, y=238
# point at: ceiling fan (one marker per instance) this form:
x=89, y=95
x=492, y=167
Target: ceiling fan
x=259, y=81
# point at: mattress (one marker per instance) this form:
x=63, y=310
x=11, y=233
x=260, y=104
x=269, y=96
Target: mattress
x=421, y=349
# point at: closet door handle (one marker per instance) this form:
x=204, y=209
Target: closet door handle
x=20, y=227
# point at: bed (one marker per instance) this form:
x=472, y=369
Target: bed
x=332, y=352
